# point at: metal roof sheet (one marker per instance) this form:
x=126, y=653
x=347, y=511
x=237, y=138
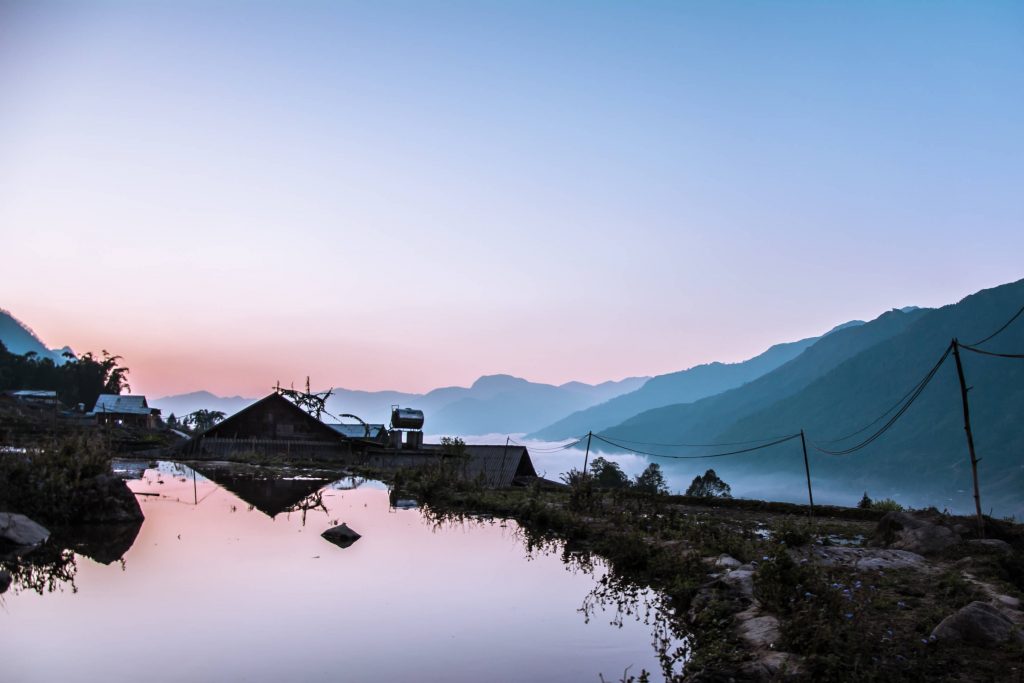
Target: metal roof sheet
x=121, y=404
x=356, y=431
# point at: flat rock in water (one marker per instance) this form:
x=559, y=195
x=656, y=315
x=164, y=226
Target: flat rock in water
x=341, y=535
x=978, y=624
x=20, y=530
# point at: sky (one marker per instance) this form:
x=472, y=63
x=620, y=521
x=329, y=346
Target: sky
x=407, y=195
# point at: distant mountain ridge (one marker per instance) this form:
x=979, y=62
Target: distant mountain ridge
x=20, y=339
x=678, y=387
x=494, y=403
x=845, y=382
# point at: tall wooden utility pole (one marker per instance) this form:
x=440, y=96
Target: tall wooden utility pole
x=807, y=469
x=970, y=436
x=587, y=454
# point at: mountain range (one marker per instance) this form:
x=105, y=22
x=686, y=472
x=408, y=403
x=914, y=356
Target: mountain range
x=836, y=388
x=843, y=384
x=494, y=403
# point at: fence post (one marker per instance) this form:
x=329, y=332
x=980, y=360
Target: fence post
x=970, y=436
x=807, y=469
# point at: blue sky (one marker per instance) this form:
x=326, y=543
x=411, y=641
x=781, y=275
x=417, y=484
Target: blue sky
x=408, y=195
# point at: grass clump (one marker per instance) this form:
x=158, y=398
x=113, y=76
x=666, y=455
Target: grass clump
x=41, y=481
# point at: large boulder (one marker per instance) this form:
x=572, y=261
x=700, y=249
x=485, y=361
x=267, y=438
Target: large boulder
x=19, y=530
x=978, y=624
x=102, y=499
x=5, y=580
x=905, y=531
x=341, y=535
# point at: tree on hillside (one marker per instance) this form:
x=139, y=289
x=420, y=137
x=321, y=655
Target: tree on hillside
x=608, y=474
x=709, y=486
x=79, y=380
x=651, y=480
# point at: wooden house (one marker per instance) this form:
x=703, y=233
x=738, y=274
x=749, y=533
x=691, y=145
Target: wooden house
x=125, y=409
x=276, y=427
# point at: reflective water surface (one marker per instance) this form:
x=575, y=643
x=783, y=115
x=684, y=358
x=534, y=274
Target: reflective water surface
x=231, y=580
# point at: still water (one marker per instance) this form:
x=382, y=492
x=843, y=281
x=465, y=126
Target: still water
x=230, y=580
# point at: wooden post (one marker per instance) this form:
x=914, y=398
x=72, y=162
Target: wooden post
x=970, y=436
x=501, y=473
x=807, y=469
x=587, y=454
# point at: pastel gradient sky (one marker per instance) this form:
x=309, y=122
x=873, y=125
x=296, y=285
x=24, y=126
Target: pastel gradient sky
x=412, y=194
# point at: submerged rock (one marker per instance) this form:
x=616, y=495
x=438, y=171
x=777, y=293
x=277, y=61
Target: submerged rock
x=905, y=531
x=341, y=535
x=978, y=624
x=19, y=530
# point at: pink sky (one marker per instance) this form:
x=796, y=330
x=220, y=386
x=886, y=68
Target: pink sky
x=560, y=193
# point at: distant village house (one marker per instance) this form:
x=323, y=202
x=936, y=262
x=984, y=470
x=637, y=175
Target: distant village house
x=125, y=410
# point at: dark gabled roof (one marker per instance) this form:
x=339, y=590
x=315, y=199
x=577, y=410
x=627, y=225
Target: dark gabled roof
x=498, y=465
x=316, y=424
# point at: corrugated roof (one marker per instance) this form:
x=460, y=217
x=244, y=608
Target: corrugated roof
x=357, y=431
x=121, y=404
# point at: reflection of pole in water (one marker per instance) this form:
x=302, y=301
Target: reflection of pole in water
x=195, y=495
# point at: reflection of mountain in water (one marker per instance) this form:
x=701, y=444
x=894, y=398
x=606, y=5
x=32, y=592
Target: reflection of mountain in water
x=270, y=493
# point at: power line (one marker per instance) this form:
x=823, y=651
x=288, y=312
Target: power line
x=999, y=331
x=906, y=406
x=992, y=353
x=697, y=457
x=697, y=445
x=891, y=408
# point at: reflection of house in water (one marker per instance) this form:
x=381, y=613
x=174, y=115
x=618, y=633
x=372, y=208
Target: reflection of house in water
x=129, y=469
x=270, y=493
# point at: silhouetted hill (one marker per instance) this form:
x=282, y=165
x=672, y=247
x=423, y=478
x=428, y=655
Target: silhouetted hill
x=20, y=339
x=677, y=387
x=923, y=458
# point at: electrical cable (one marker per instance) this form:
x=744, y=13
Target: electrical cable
x=697, y=445
x=698, y=457
x=992, y=353
x=906, y=406
x=999, y=331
